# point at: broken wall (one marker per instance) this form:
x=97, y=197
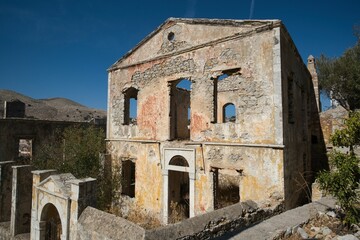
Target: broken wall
x=38, y=131
x=250, y=89
x=297, y=102
x=247, y=65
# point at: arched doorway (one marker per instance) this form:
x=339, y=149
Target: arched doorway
x=178, y=180
x=53, y=227
x=178, y=200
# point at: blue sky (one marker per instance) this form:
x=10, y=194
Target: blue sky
x=62, y=48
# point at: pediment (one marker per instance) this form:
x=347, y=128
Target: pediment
x=58, y=183
x=178, y=35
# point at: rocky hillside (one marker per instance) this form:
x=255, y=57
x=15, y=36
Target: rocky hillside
x=58, y=109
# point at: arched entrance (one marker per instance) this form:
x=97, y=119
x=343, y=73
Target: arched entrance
x=178, y=200
x=178, y=184
x=53, y=228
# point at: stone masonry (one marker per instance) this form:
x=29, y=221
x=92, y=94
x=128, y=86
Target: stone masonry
x=184, y=146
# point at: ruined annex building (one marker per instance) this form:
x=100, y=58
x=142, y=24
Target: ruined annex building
x=183, y=145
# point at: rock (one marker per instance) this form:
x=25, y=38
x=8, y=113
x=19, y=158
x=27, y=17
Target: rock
x=250, y=206
x=331, y=214
x=315, y=229
x=294, y=229
x=288, y=232
x=347, y=237
x=319, y=236
x=326, y=231
x=355, y=227
x=328, y=237
x=302, y=233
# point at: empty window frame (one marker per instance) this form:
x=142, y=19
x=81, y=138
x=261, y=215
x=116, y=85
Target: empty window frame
x=291, y=110
x=180, y=111
x=130, y=107
x=229, y=72
x=128, y=178
x=226, y=187
x=25, y=148
x=229, y=113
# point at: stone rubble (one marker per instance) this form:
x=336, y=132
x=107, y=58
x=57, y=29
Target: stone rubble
x=326, y=226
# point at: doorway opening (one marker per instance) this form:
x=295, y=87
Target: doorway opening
x=51, y=217
x=178, y=199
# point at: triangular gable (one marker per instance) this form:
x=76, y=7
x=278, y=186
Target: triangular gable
x=177, y=35
x=57, y=183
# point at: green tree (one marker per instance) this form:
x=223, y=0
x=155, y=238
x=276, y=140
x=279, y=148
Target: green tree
x=339, y=77
x=342, y=180
x=76, y=150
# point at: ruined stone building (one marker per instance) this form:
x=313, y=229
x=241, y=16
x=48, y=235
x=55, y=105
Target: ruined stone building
x=202, y=114
x=184, y=145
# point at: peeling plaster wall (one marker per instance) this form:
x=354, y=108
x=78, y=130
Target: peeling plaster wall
x=148, y=183
x=259, y=57
x=251, y=91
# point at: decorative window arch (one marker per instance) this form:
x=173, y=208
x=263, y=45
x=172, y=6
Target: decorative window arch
x=229, y=113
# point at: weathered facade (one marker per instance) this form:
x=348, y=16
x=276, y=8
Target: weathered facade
x=182, y=145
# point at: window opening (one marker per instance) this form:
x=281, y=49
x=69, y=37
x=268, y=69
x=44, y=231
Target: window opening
x=291, y=117
x=180, y=111
x=229, y=113
x=215, y=100
x=189, y=118
x=222, y=76
x=130, y=108
x=303, y=115
x=25, y=148
x=133, y=111
x=226, y=188
x=128, y=178
x=229, y=72
x=171, y=36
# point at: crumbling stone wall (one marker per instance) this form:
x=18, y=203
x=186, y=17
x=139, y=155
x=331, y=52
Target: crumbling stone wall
x=206, y=226
x=300, y=112
x=21, y=199
x=61, y=197
x=332, y=120
x=14, y=109
x=261, y=145
x=5, y=190
x=39, y=131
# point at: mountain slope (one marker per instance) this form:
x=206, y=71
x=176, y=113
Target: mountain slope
x=56, y=109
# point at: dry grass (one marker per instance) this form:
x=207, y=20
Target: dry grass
x=140, y=217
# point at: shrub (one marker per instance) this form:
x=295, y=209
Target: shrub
x=342, y=180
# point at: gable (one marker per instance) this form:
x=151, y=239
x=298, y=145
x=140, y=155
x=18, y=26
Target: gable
x=57, y=183
x=181, y=35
